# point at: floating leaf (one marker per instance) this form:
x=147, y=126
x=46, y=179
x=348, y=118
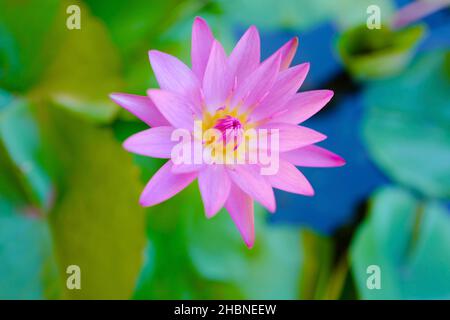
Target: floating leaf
x=269, y=14
x=270, y=270
x=27, y=40
x=351, y=13
x=21, y=140
x=407, y=126
x=168, y=272
x=377, y=53
x=302, y=15
x=28, y=267
x=337, y=200
x=84, y=72
x=410, y=242
x=97, y=222
x=192, y=257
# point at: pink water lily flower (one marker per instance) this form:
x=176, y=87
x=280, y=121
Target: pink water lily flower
x=229, y=93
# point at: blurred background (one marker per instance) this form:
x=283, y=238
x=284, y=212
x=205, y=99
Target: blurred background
x=69, y=192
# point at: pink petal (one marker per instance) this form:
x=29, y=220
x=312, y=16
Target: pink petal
x=287, y=84
x=287, y=52
x=217, y=82
x=214, y=185
x=175, y=108
x=246, y=55
x=186, y=168
x=164, y=185
x=249, y=179
x=240, y=207
x=202, y=40
x=290, y=179
x=153, y=142
x=303, y=106
x=313, y=156
x=142, y=107
x=252, y=90
x=173, y=75
x=294, y=137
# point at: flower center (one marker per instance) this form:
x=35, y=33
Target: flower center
x=231, y=128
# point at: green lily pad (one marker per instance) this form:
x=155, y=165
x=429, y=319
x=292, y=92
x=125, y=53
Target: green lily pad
x=407, y=126
x=28, y=37
x=168, y=271
x=447, y=64
x=20, y=138
x=371, y=54
x=192, y=257
x=302, y=15
x=85, y=71
x=270, y=270
x=97, y=222
x=28, y=269
x=350, y=13
x=409, y=241
x=269, y=14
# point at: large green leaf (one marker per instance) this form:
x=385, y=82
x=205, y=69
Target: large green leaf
x=131, y=27
x=141, y=27
x=271, y=14
x=29, y=33
x=301, y=15
x=191, y=256
x=410, y=241
x=23, y=147
x=84, y=72
x=371, y=54
x=407, y=126
x=97, y=222
x=350, y=13
x=28, y=267
x=270, y=270
x=168, y=272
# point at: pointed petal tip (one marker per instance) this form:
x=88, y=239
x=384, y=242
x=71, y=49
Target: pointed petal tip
x=126, y=144
x=118, y=97
x=321, y=137
x=340, y=162
x=210, y=211
x=310, y=192
x=199, y=19
x=146, y=204
x=273, y=209
x=327, y=94
x=253, y=29
x=306, y=66
x=114, y=96
x=249, y=243
x=143, y=203
x=155, y=54
x=200, y=23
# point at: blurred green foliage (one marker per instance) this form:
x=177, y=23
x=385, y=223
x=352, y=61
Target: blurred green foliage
x=69, y=192
x=409, y=240
x=371, y=54
x=408, y=133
